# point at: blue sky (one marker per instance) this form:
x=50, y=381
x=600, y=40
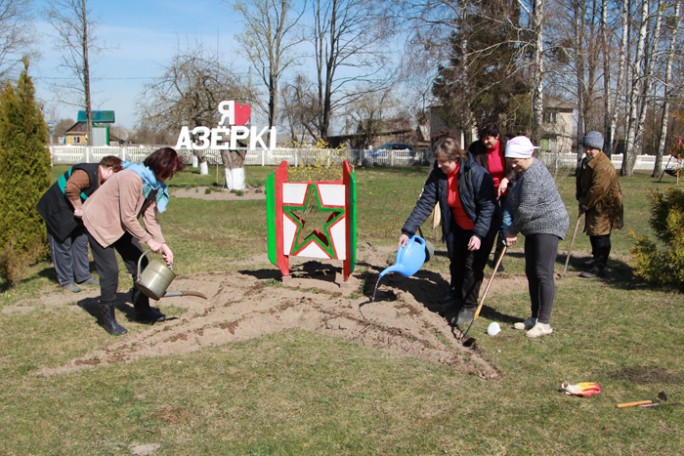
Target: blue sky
x=139, y=39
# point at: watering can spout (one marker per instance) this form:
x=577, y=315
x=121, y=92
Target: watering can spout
x=410, y=258
x=393, y=268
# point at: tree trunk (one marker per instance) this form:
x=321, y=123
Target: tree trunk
x=578, y=24
x=538, y=94
x=662, y=140
x=607, y=105
x=638, y=72
x=622, y=58
x=86, y=73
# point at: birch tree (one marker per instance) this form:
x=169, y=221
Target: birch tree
x=641, y=70
x=70, y=19
x=538, y=84
x=673, y=29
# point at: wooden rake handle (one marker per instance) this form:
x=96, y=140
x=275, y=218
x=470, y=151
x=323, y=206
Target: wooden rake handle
x=634, y=404
x=484, y=296
x=489, y=284
x=572, y=244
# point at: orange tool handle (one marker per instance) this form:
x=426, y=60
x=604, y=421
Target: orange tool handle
x=634, y=404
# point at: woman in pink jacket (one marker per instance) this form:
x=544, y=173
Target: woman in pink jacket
x=111, y=218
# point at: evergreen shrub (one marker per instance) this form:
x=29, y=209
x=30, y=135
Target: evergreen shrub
x=24, y=177
x=662, y=263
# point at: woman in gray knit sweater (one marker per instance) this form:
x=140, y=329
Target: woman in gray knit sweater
x=540, y=215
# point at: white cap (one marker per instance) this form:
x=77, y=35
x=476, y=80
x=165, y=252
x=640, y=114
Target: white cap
x=520, y=147
x=493, y=329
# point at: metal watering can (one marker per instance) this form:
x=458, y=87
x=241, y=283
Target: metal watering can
x=411, y=257
x=155, y=279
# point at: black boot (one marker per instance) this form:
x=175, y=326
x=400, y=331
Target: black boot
x=107, y=320
x=601, y=247
x=465, y=315
x=143, y=312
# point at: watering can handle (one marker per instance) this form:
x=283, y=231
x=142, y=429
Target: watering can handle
x=140, y=262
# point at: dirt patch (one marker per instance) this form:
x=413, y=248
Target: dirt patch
x=255, y=302
x=645, y=375
x=219, y=194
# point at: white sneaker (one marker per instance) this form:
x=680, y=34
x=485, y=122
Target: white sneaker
x=527, y=324
x=540, y=329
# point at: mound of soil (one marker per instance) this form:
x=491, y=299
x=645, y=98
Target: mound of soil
x=254, y=302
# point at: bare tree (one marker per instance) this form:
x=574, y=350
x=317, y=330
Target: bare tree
x=70, y=20
x=299, y=111
x=188, y=94
x=371, y=115
x=348, y=38
x=268, y=40
x=14, y=33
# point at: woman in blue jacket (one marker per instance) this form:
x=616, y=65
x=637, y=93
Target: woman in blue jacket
x=470, y=218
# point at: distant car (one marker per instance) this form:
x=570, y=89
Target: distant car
x=391, y=146
x=395, y=146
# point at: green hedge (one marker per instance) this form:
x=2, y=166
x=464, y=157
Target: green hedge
x=24, y=177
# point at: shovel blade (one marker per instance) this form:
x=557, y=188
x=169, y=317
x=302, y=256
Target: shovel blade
x=470, y=342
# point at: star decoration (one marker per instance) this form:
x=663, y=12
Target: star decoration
x=313, y=220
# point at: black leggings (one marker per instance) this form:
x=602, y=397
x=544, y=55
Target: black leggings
x=107, y=266
x=540, y=257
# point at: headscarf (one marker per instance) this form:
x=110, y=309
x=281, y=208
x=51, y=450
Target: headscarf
x=150, y=182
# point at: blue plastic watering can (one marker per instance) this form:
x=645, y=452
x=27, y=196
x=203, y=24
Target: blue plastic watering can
x=410, y=258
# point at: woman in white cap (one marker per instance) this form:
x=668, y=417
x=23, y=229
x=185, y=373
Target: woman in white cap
x=540, y=215
x=600, y=197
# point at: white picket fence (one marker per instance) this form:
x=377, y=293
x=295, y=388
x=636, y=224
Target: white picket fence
x=297, y=157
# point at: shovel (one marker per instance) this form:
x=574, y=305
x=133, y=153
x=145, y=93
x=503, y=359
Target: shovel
x=471, y=341
x=175, y=294
x=651, y=403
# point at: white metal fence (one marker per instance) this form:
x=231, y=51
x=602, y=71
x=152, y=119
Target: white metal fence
x=300, y=157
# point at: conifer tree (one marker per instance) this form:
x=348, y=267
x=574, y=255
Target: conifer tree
x=24, y=177
x=485, y=80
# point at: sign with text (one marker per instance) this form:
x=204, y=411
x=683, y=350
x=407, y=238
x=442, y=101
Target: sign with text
x=231, y=130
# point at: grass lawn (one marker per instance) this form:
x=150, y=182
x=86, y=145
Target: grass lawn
x=299, y=393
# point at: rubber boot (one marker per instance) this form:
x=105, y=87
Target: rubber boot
x=143, y=312
x=601, y=249
x=107, y=320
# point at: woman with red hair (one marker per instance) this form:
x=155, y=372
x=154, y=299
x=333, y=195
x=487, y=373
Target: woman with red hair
x=111, y=219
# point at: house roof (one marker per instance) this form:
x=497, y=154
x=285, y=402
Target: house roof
x=79, y=128
x=98, y=116
x=558, y=103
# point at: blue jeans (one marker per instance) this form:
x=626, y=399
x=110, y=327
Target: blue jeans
x=506, y=218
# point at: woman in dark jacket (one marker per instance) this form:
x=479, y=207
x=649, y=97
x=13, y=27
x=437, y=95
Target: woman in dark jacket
x=61, y=208
x=466, y=197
